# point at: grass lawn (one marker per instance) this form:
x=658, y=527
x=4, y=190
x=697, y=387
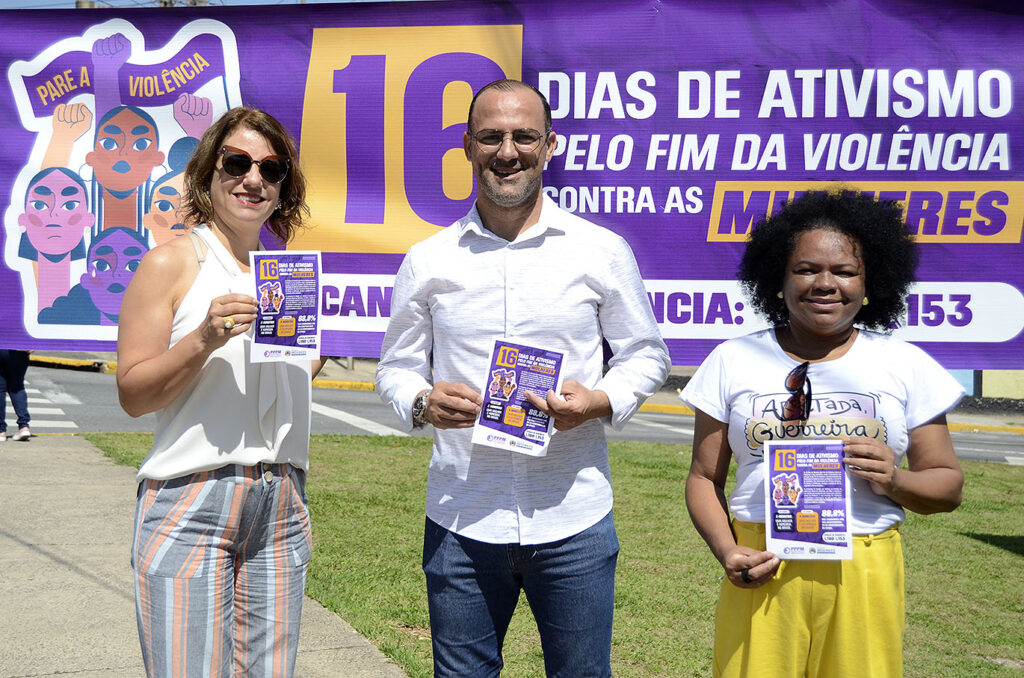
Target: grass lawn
x=965, y=596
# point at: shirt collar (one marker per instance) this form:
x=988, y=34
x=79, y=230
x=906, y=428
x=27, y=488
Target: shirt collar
x=549, y=213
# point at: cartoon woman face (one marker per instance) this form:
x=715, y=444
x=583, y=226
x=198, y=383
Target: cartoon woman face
x=56, y=214
x=162, y=217
x=113, y=260
x=125, y=152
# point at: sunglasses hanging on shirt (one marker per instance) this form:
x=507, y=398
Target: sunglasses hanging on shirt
x=798, y=406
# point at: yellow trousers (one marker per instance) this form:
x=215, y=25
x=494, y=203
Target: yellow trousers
x=816, y=619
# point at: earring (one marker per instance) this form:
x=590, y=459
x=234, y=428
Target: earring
x=864, y=301
x=779, y=294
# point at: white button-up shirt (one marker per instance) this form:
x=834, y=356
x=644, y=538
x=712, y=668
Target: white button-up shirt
x=563, y=284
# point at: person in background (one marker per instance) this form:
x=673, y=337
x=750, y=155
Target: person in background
x=222, y=537
x=831, y=273
x=13, y=366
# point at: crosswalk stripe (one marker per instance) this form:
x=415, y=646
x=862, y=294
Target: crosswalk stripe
x=54, y=423
x=40, y=404
x=46, y=410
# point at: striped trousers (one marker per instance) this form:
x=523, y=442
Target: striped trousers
x=220, y=561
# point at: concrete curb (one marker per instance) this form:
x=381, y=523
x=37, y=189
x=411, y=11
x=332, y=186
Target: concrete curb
x=110, y=367
x=104, y=366
x=343, y=385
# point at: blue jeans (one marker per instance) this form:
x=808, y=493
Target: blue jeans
x=13, y=365
x=473, y=588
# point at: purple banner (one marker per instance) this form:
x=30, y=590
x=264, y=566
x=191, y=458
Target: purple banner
x=679, y=125
x=71, y=75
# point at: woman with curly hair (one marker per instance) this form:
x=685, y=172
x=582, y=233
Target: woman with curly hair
x=831, y=272
x=222, y=536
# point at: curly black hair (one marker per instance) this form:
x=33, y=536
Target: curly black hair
x=876, y=227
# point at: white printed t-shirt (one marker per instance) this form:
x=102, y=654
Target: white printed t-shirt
x=881, y=388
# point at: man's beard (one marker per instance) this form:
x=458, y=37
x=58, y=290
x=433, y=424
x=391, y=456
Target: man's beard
x=510, y=199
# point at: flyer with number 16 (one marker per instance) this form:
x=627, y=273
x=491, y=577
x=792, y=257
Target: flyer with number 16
x=287, y=306
x=507, y=420
x=807, y=500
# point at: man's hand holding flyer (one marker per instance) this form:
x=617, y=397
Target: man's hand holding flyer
x=507, y=420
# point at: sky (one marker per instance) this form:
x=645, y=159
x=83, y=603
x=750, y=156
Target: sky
x=70, y=4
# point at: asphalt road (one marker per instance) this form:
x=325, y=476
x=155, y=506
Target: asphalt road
x=74, y=401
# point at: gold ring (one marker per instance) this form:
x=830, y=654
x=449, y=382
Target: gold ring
x=229, y=322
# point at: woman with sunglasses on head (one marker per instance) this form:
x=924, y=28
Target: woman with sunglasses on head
x=222, y=536
x=831, y=273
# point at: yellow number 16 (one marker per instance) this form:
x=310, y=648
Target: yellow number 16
x=268, y=269
x=785, y=460
x=507, y=356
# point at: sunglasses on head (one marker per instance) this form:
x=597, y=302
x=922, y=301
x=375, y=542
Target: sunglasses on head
x=236, y=162
x=798, y=406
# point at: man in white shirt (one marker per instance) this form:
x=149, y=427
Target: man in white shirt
x=518, y=267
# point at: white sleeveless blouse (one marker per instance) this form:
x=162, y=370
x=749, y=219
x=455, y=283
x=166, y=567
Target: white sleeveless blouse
x=234, y=411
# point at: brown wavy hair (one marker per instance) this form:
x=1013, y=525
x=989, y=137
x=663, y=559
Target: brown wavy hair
x=197, y=207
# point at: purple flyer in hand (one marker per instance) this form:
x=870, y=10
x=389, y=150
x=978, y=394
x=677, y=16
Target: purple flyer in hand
x=287, y=306
x=507, y=420
x=807, y=500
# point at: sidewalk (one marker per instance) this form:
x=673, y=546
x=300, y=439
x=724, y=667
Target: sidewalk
x=66, y=592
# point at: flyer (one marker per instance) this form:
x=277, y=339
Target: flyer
x=507, y=421
x=807, y=500
x=287, y=323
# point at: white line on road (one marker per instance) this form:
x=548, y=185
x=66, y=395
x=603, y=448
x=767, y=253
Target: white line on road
x=43, y=423
x=1015, y=461
x=45, y=410
x=358, y=422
